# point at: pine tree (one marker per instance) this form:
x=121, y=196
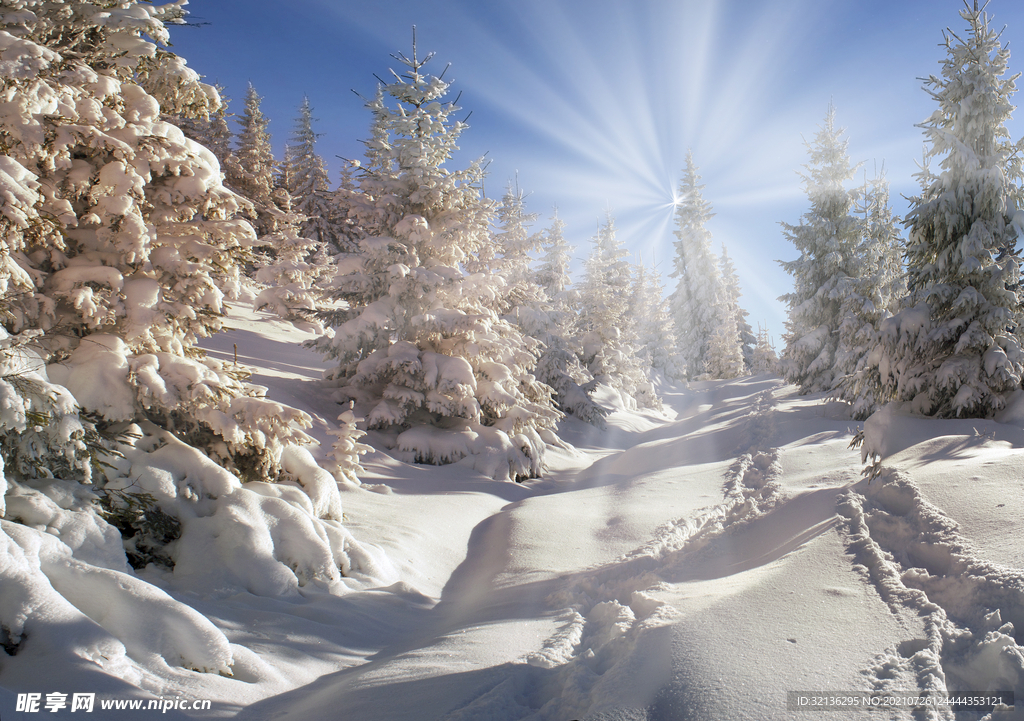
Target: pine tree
x=119, y=242
x=764, y=359
x=697, y=303
x=514, y=243
x=609, y=338
x=731, y=290
x=309, y=184
x=255, y=156
x=421, y=344
x=724, y=357
x=953, y=350
x=559, y=362
x=827, y=237
x=874, y=295
x=290, y=271
x=654, y=328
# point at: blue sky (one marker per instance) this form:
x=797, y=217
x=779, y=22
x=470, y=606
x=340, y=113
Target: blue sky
x=593, y=103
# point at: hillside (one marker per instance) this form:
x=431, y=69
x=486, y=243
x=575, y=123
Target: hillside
x=698, y=563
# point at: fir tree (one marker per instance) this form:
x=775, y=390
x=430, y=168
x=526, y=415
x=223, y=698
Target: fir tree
x=308, y=182
x=119, y=242
x=609, y=340
x=874, y=295
x=724, y=357
x=764, y=359
x=559, y=362
x=290, y=272
x=421, y=344
x=655, y=333
x=255, y=156
x=697, y=303
x=514, y=243
x=953, y=350
x=827, y=237
x=731, y=291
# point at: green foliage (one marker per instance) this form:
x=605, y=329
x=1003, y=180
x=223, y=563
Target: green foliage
x=145, y=527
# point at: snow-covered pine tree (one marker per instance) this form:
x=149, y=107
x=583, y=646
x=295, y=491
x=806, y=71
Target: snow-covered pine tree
x=345, y=451
x=514, y=244
x=309, y=182
x=256, y=164
x=118, y=239
x=288, y=274
x=731, y=289
x=697, y=302
x=559, y=365
x=609, y=337
x=348, y=233
x=874, y=295
x=211, y=131
x=953, y=350
x=827, y=237
x=421, y=345
x=724, y=356
x=648, y=309
x=764, y=359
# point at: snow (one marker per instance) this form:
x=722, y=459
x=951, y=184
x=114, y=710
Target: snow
x=697, y=562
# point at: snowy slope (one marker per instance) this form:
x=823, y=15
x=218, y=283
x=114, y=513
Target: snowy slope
x=696, y=564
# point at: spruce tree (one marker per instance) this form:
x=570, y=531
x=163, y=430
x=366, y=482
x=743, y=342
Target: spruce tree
x=559, y=362
x=609, y=336
x=119, y=241
x=698, y=302
x=731, y=290
x=764, y=359
x=654, y=328
x=308, y=182
x=953, y=349
x=827, y=238
x=255, y=180
x=420, y=344
x=874, y=295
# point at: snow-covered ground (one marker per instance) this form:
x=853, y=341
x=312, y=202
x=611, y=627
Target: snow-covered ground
x=696, y=564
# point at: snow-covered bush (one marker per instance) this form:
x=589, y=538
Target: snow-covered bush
x=346, y=449
x=41, y=432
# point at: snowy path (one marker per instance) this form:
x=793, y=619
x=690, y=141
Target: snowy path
x=697, y=567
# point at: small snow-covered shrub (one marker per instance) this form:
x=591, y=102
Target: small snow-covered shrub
x=346, y=449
